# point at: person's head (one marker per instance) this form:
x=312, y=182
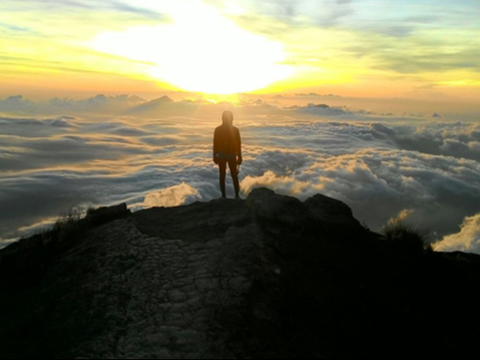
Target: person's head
x=227, y=118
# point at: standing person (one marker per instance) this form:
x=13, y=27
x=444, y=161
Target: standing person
x=227, y=148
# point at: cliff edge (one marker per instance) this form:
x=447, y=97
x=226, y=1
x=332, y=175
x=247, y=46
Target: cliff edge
x=268, y=277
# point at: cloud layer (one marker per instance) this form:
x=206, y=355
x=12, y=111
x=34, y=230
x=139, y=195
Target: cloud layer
x=160, y=155
x=468, y=239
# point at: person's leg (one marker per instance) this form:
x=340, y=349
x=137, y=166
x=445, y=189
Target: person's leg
x=233, y=171
x=222, y=166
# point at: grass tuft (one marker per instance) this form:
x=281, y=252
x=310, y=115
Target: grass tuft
x=406, y=237
x=68, y=223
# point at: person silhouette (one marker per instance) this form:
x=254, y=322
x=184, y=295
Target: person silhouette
x=227, y=148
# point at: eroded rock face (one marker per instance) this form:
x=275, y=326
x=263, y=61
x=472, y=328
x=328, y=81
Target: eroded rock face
x=268, y=277
x=331, y=212
x=197, y=281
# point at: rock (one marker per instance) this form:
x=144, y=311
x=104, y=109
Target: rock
x=105, y=214
x=276, y=213
x=265, y=205
x=197, y=222
x=330, y=211
x=269, y=277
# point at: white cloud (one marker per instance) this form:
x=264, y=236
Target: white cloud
x=378, y=184
x=98, y=104
x=467, y=240
x=5, y=243
x=379, y=167
x=172, y=196
x=325, y=110
x=281, y=184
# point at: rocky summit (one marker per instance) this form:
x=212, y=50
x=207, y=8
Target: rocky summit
x=268, y=277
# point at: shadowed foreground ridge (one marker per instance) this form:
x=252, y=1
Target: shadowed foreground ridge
x=266, y=277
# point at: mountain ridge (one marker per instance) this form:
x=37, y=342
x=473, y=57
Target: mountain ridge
x=268, y=277
x=149, y=106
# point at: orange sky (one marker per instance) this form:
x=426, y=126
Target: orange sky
x=366, y=49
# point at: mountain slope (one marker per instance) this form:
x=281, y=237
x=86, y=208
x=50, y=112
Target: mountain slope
x=156, y=106
x=262, y=278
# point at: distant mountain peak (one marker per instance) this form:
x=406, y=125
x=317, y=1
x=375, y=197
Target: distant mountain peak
x=163, y=99
x=151, y=106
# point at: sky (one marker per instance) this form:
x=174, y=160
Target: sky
x=372, y=102
x=363, y=48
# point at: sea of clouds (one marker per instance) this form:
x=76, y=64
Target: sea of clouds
x=60, y=154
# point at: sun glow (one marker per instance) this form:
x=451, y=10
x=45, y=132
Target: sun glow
x=201, y=51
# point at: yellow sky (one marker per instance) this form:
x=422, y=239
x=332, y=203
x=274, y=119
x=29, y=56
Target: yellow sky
x=362, y=48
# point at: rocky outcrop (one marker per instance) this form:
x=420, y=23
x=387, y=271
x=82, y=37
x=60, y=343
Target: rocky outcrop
x=268, y=277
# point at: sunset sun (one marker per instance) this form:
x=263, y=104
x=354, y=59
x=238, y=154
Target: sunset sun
x=201, y=51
